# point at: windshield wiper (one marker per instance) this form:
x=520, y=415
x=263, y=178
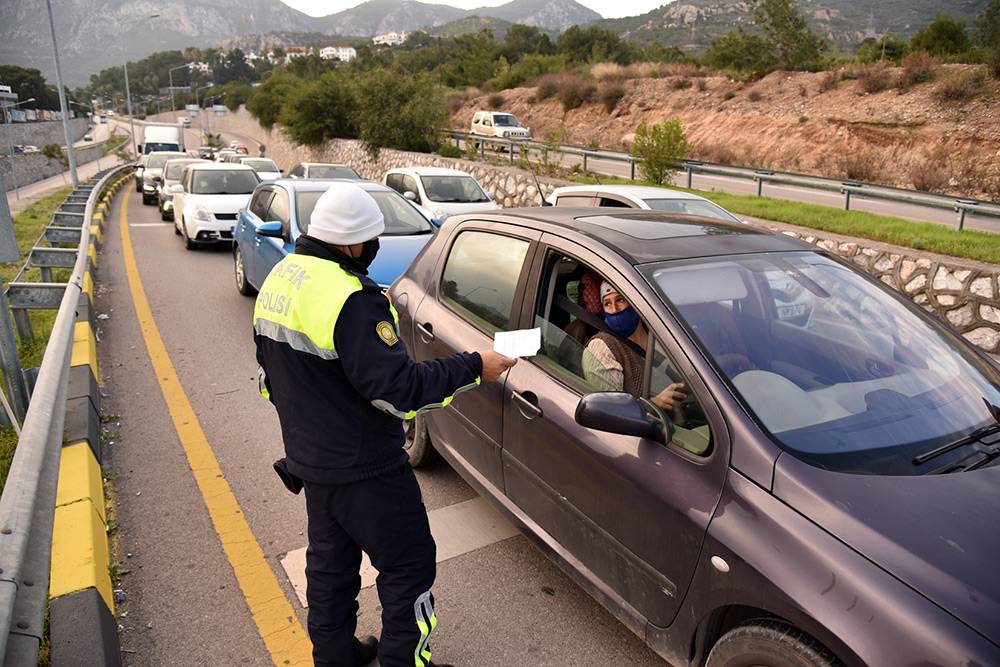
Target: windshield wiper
x=975, y=436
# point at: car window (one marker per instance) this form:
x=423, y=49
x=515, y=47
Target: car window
x=480, y=277
x=260, y=202
x=691, y=430
x=401, y=219
x=505, y=120
x=261, y=164
x=332, y=171
x=224, y=182
x=279, y=210
x=613, y=203
x=575, y=200
x=691, y=207
x=296, y=170
x=395, y=181
x=487, y=122
x=174, y=168
x=453, y=189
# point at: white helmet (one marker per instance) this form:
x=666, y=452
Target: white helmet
x=345, y=215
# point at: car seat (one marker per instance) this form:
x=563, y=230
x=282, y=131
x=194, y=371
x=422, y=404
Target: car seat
x=717, y=328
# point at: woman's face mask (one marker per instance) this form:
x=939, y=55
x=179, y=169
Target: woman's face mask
x=624, y=322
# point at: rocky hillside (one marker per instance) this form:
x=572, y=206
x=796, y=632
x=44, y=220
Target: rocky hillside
x=692, y=24
x=801, y=122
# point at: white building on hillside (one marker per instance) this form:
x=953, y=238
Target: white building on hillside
x=390, y=38
x=292, y=52
x=341, y=53
x=200, y=66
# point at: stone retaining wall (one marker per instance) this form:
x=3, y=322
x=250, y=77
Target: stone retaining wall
x=39, y=134
x=36, y=167
x=963, y=293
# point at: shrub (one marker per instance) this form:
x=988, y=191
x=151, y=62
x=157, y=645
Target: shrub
x=961, y=88
x=659, y=147
x=607, y=71
x=943, y=36
x=644, y=70
x=702, y=85
x=610, y=95
x=319, y=110
x=994, y=63
x=803, y=119
x=755, y=96
x=875, y=78
x=55, y=152
x=495, y=101
x=829, y=81
x=528, y=68
x=918, y=67
x=890, y=48
x=928, y=175
x=680, y=83
x=719, y=153
x=741, y=51
x=865, y=165
x=408, y=113
x=266, y=100
x=450, y=150
x=547, y=87
x=575, y=93
x=729, y=95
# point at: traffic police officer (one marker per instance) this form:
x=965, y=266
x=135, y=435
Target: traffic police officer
x=332, y=364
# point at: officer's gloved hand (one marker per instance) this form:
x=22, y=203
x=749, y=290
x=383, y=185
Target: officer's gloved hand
x=494, y=364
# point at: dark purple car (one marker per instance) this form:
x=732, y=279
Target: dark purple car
x=826, y=493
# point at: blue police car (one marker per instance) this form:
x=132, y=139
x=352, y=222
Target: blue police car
x=279, y=213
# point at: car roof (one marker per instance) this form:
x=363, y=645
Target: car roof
x=429, y=171
x=641, y=236
x=220, y=166
x=323, y=184
x=637, y=191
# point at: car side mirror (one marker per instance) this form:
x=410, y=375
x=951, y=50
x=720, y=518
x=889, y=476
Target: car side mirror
x=281, y=171
x=621, y=413
x=273, y=229
x=157, y=179
x=411, y=195
x=436, y=222
x=176, y=188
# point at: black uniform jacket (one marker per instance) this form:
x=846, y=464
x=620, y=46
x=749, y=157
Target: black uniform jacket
x=334, y=417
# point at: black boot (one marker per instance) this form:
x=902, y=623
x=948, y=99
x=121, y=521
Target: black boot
x=367, y=649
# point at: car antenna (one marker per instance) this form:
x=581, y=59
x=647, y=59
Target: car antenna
x=538, y=186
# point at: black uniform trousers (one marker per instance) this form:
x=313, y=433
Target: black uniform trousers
x=385, y=517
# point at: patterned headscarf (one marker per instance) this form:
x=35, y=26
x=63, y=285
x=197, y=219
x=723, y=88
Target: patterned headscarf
x=590, y=292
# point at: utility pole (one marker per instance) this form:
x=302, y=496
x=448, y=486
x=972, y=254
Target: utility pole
x=64, y=108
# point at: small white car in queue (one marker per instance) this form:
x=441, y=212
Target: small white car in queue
x=208, y=199
x=440, y=193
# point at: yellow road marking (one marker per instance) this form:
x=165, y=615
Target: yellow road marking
x=276, y=622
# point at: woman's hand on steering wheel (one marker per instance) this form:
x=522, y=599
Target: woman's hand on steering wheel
x=670, y=398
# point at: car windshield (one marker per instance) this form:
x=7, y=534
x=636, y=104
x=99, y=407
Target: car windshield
x=174, y=169
x=505, y=120
x=224, y=182
x=332, y=171
x=691, y=207
x=842, y=374
x=453, y=189
x=261, y=165
x=401, y=219
x=157, y=161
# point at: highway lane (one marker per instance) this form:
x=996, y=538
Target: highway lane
x=499, y=604
x=742, y=186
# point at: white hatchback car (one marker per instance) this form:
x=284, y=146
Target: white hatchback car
x=208, y=199
x=638, y=196
x=264, y=166
x=440, y=193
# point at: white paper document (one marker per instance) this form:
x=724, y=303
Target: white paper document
x=521, y=343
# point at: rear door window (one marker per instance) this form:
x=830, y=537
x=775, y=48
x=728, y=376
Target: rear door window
x=260, y=202
x=613, y=203
x=481, y=276
x=278, y=211
x=395, y=181
x=581, y=200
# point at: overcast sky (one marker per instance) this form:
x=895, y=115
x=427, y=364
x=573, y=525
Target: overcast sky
x=606, y=8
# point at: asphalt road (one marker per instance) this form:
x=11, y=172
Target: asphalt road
x=500, y=604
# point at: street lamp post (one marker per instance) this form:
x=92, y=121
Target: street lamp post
x=10, y=135
x=128, y=93
x=170, y=77
x=198, y=103
x=93, y=129
x=210, y=109
x=63, y=107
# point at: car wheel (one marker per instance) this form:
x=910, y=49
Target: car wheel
x=188, y=243
x=243, y=285
x=417, y=443
x=177, y=228
x=769, y=644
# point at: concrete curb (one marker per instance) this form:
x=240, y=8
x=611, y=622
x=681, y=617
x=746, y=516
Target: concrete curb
x=82, y=626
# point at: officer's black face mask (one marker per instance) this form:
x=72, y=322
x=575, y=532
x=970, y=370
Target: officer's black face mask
x=368, y=251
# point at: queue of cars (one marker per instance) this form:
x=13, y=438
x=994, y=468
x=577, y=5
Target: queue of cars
x=824, y=493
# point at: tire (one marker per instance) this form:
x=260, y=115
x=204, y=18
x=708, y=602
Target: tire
x=766, y=643
x=188, y=243
x=146, y=201
x=243, y=285
x=138, y=186
x=417, y=443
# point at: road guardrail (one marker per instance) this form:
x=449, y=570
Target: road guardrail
x=961, y=205
x=29, y=500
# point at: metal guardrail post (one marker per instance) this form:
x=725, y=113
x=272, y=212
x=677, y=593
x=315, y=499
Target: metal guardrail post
x=690, y=175
x=585, y=160
x=510, y=146
x=631, y=169
x=962, y=206
x=13, y=373
x=482, y=150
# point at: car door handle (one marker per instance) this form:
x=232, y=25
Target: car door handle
x=527, y=404
x=426, y=331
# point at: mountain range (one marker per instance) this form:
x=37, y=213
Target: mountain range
x=94, y=34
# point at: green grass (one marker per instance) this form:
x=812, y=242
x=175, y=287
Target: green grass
x=28, y=226
x=925, y=236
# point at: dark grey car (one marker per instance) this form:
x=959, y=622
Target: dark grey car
x=826, y=493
